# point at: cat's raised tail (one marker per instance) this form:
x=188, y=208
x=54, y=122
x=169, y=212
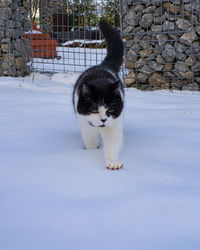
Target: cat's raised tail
x=115, y=47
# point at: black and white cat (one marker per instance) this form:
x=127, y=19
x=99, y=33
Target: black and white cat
x=98, y=100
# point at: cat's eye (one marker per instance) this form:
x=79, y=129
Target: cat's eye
x=110, y=110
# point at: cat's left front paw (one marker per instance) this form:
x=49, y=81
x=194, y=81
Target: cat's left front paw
x=114, y=165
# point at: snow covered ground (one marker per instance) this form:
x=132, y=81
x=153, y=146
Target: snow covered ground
x=56, y=195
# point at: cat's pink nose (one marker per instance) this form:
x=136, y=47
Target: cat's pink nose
x=103, y=120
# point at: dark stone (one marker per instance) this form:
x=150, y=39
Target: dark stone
x=162, y=39
x=191, y=87
x=196, y=67
x=146, y=20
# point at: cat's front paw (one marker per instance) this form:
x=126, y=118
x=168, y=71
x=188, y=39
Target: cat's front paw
x=114, y=165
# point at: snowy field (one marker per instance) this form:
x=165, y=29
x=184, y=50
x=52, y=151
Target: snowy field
x=54, y=195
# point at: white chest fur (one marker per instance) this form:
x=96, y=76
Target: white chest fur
x=112, y=139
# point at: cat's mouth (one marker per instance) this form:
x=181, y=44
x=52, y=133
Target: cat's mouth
x=92, y=125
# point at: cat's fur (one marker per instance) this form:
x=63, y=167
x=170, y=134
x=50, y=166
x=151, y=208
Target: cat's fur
x=98, y=100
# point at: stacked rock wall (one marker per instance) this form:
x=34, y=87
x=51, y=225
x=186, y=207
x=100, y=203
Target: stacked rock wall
x=162, y=44
x=47, y=9
x=14, y=49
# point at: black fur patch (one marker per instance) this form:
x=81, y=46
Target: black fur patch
x=100, y=85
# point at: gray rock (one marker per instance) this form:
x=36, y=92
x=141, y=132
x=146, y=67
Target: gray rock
x=140, y=63
x=183, y=24
x=158, y=50
x=5, y=40
x=158, y=20
x=136, y=47
x=19, y=63
x=151, y=57
x=191, y=87
x=157, y=79
x=168, y=25
x=162, y=39
x=197, y=28
x=178, y=84
x=195, y=5
x=144, y=43
x=195, y=47
x=197, y=80
x=146, y=20
x=149, y=9
x=146, y=52
x=138, y=8
x=131, y=18
x=189, y=37
x=190, y=61
x=8, y=57
x=156, y=66
x=2, y=23
x=129, y=43
x=159, y=12
x=181, y=67
x=19, y=45
x=156, y=28
x=142, y=78
x=169, y=75
x=177, y=2
x=132, y=55
x=171, y=8
x=196, y=67
x=4, y=47
x=5, y=66
x=139, y=35
x=155, y=2
x=2, y=34
x=160, y=60
x=198, y=55
x=12, y=71
x=127, y=30
x=169, y=53
x=181, y=56
x=147, y=70
x=130, y=79
x=180, y=48
x=172, y=36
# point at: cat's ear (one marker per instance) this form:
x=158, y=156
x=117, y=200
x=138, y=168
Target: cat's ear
x=85, y=89
x=115, y=85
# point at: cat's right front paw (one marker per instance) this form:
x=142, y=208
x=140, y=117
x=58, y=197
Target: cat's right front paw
x=114, y=165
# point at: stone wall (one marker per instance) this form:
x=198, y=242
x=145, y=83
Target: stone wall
x=47, y=9
x=162, y=44
x=14, y=49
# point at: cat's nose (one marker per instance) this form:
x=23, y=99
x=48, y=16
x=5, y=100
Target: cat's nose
x=103, y=120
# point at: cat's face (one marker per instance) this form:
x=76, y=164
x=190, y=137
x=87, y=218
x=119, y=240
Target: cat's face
x=100, y=103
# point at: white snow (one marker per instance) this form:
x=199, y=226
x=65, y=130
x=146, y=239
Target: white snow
x=33, y=32
x=56, y=195
x=82, y=42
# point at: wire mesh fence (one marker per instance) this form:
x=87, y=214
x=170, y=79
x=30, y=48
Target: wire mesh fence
x=162, y=44
x=66, y=36
x=162, y=48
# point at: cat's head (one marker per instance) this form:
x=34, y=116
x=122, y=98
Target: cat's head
x=101, y=102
